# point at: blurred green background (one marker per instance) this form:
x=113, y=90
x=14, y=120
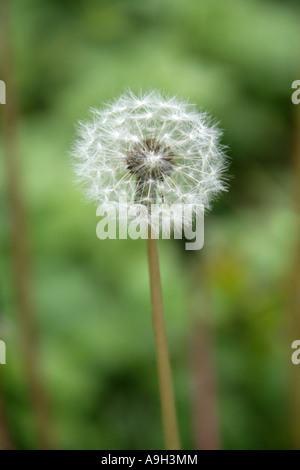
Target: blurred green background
x=236, y=59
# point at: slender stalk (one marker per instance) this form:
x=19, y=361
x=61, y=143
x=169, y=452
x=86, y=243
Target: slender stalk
x=163, y=362
x=20, y=252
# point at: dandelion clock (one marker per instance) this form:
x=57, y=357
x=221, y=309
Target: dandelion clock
x=151, y=151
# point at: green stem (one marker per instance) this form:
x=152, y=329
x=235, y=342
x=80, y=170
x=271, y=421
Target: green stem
x=163, y=362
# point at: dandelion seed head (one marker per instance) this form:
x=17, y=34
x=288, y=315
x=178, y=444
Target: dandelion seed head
x=152, y=149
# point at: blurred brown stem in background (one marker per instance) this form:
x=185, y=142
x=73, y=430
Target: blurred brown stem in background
x=6, y=441
x=20, y=254
x=203, y=370
x=294, y=288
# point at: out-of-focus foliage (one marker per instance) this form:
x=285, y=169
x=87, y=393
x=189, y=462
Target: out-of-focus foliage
x=236, y=59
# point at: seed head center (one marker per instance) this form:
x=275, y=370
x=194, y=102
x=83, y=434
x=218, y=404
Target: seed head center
x=150, y=160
